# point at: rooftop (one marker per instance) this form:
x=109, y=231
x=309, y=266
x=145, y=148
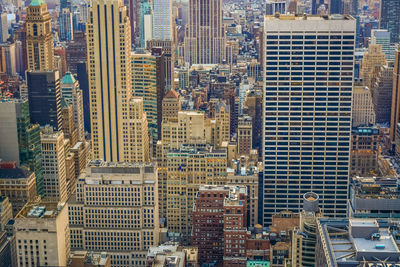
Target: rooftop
x=172, y=94
x=358, y=240
x=40, y=210
x=68, y=78
x=37, y=3
x=14, y=173
x=308, y=17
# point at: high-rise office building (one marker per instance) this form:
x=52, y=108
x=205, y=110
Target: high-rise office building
x=219, y=122
x=162, y=20
x=20, y=140
x=41, y=235
x=129, y=211
x=382, y=37
x=18, y=184
x=363, y=107
x=75, y=51
x=307, y=126
x=54, y=168
x=44, y=97
x=245, y=135
x=171, y=105
x=303, y=235
x=205, y=34
x=3, y=28
x=365, y=151
x=371, y=59
x=390, y=19
x=208, y=223
x=72, y=94
x=9, y=54
x=109, y=69
x=395, y=114
x=66, y=31
x=168, y=53
x=138, y=131
x=382, y=89
x=187, y=169
x=39, y=38
x=145, y=84
x=235, y=227
x=186, y=128
x=146, y=23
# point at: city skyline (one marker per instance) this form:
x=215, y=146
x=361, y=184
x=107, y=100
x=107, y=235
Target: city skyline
x=199, y=133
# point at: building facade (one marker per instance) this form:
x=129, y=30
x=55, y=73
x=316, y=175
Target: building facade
x=363, y=107
x=72, y=94
x=39, y=38
x=188, y=168
x=54, y=165
x=307, y=136
x=20, y=140
x=19, y=185
x=162, y=20
x=389, y=18
x=138, y=133
x=44, y=97
x=66, y=31
x=205, y=34
x=129, y=211
x=42, y=235
x=109, y=70
x=144, y=84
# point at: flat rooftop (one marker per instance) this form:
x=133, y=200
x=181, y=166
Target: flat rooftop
x=362, y=244
x=40, y=210
x=14, y=173
x=343, y=248
x=308, y=17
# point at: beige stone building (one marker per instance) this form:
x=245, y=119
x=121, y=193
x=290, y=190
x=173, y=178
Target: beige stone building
x=138, y=132
x=171, y=105
x=187, y=128
x=205, y=40
x=373, y=58
x=5, y=212
x=39, y=38
x=109, y=70
x=54, y=165
x=395, y=112
x=218, y=123
x=115, y=209
x=187, y=169
x=19, y=185
x=363, y=108
x=249, y=178
x=42, y=235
